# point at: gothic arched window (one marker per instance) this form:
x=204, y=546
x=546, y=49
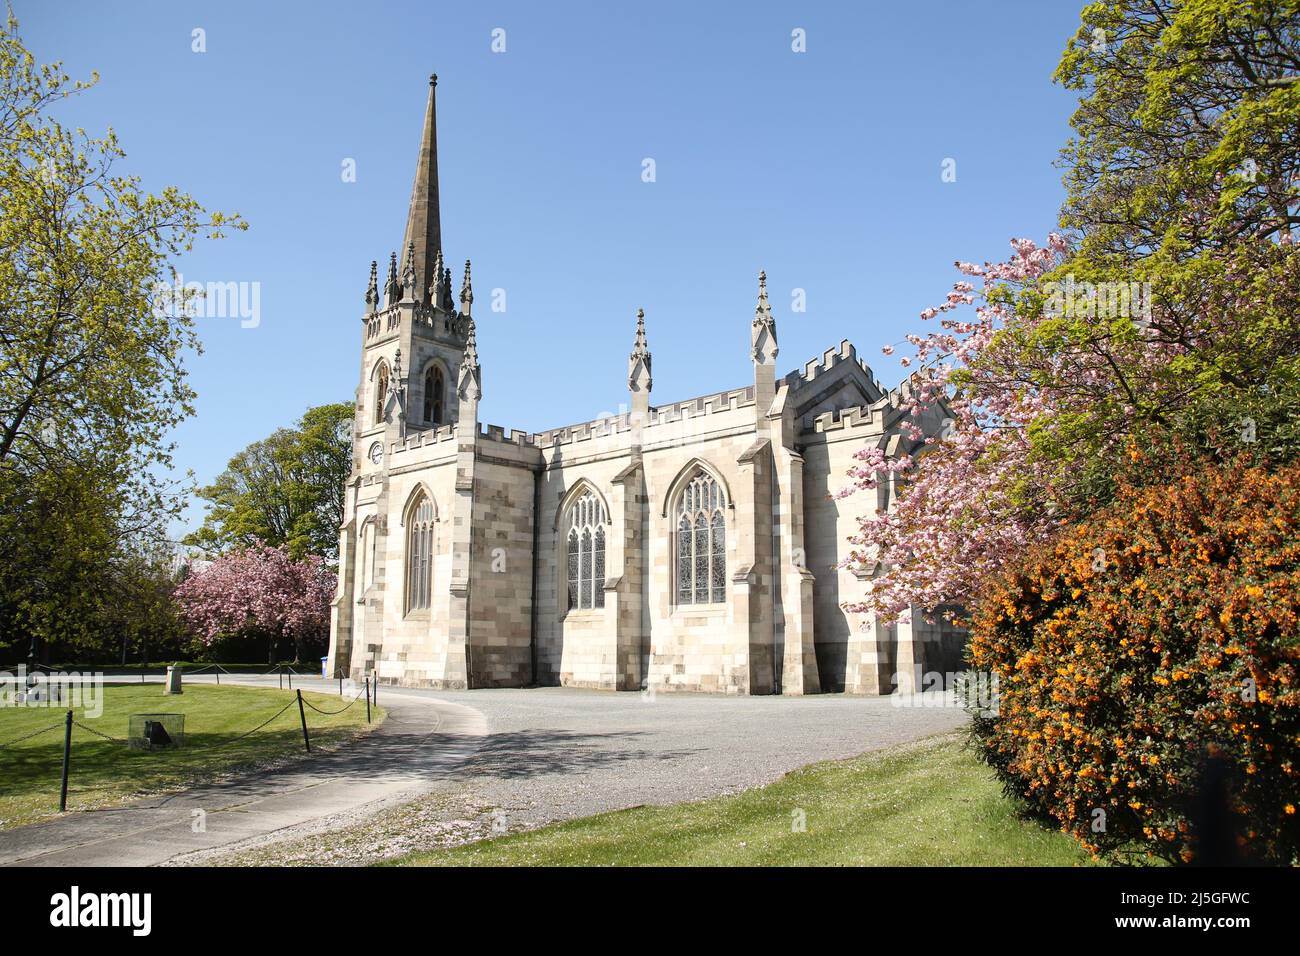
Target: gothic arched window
x=419, y=554
x=368, y=546
x=585, y=545
x=701, y=543
x=381, y=392
x=433, y=392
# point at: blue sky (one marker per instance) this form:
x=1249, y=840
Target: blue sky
x=822, y=167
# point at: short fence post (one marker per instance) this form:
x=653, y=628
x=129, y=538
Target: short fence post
x=340, y=686
x=218, y=673
x=67, y=757
x=367, y=700
x=376, y=689
x=303, y=716
x=280, y=671
x=290, y=669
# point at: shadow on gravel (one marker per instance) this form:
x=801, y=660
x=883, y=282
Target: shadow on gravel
x=531, y=753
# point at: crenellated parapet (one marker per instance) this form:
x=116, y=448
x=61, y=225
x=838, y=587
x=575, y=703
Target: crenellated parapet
x=829, y=360
x=869, y=418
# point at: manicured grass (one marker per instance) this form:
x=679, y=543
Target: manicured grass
x=104, y=772
x=926, y=804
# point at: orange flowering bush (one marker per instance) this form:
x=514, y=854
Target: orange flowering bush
x=1161, y=632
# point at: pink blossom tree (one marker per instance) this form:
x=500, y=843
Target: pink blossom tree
x=259, y=589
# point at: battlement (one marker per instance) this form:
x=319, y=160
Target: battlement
x=508, y=436
x=858, y=416
x=421, y=439
x=831, y=358
x=705, y=405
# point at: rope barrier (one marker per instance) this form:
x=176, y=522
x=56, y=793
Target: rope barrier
x=92, y=730
x=330, y=713
x=34, y=733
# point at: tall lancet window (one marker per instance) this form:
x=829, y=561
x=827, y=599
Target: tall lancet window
x=701, y=543
x=381, y=392
x=433, y=395
x=419, y=554
x=585, y=544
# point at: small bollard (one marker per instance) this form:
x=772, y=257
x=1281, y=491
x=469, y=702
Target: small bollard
x=367, y=700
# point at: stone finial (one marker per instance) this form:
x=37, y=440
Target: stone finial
x=638, y=364
x=392, y=291
x=408, y=274
x=469, y=383
x=449, y=305
x=763, y=346
x=372, y=290
x=437, y=290
x=466, y=294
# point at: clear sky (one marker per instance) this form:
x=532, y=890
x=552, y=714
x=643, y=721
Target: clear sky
x=822, y=167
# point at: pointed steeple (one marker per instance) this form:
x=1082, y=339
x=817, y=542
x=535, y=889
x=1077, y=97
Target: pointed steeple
x=466, y=294
x=423, y=226
x=372, y=290
x=763, y=346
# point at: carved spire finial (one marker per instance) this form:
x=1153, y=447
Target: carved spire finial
x=392, y=291
x=638, y=363
x=763, y=347
x=436, y=289
x=372, y=290
x=408, y=273
x=466, y=294
x=469, y=384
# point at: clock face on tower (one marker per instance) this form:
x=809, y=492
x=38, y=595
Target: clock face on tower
x=377, y=453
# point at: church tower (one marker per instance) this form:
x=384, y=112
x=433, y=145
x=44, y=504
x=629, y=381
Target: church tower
x=413, y=338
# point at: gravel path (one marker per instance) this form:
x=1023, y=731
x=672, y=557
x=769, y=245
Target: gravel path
x=558, y=753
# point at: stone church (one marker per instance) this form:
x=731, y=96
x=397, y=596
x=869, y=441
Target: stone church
x=685, y=546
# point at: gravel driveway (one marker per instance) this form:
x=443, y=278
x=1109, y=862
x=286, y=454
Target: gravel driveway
x=554, y=753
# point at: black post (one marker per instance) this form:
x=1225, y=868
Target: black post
x=67, y=757
x=290, y=667
x=303, y=716
x=281, y=673
x=367, y=700
x=340, y=686
x=376, y=689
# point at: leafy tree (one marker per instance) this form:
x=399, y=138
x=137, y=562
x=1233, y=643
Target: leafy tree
x=261, y=590
x=91, y=372
x=1168, y=315
x=286, y=489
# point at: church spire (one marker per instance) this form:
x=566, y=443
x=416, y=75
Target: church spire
x=423, y=226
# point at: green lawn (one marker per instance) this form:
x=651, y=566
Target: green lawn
x=105, y=772
x=930, y=804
